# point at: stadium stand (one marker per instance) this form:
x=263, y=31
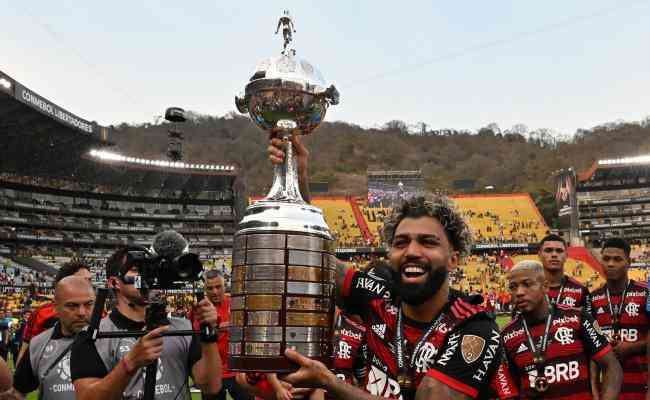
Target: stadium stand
x=61, y=199
x=341, y=220
x=614, y=200
x=502, y=218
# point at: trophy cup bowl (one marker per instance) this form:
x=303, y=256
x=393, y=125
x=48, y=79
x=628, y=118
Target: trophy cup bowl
x=283, y=256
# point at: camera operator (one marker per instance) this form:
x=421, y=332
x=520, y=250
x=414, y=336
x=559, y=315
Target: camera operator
x=47, y=361
x=114, y=368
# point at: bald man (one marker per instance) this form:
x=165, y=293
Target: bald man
x=549, y=347
x=48, y=366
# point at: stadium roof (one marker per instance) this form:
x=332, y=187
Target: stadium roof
x=38, y=133
x=615, y=167
x=39, y=138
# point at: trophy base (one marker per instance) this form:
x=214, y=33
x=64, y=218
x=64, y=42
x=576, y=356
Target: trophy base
x=279, y=365
x=281, y=298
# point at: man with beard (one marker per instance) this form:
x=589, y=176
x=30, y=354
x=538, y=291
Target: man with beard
x=619, y=307
x=562, y=288
x=113, y=368
x=549, y=346
x=46, y=365
x=425, y=341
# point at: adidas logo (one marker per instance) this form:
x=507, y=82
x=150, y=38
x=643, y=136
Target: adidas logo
x=380, y=330
x=600, y=310
x=522, y=348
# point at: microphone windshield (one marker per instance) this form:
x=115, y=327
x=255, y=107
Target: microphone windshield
x=170, y=244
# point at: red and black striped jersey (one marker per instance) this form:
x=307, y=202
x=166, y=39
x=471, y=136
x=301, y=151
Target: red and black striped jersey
x=465, y=352
x=574, y=294
x=573, y=340
x=349, y=359
x=634, y=325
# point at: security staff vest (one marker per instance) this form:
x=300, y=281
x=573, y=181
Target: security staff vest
x=44, y=351
x=173, y=366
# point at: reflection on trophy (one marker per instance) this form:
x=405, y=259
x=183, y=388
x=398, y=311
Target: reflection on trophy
x=283, y=262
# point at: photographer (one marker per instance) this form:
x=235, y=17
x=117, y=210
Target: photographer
x=114, y=368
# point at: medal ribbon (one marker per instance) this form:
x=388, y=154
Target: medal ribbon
x=539, y=352
x=616, y=316
x=556, y=300
x=403, y=371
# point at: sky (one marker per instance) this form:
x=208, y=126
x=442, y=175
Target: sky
x=562, y=65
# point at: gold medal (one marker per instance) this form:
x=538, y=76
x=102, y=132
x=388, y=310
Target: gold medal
x=404, y=381
x=541, y=384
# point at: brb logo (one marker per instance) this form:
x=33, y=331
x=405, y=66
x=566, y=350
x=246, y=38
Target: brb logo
x=561, y=372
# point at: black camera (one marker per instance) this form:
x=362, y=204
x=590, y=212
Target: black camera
x=167, y=264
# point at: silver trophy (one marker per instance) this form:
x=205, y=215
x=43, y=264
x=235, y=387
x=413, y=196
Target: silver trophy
x=283, y=261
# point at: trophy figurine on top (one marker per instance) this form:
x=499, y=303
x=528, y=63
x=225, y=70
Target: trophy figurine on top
x=283, y=261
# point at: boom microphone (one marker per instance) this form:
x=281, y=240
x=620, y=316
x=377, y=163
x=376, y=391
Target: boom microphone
x=169, y=244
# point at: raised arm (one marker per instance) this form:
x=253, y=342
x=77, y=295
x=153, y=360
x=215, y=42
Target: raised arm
x=276, y=156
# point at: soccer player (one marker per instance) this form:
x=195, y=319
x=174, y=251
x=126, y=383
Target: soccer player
x=562, y=288
x=619, y=307
x=424, y=339
x=549, y=347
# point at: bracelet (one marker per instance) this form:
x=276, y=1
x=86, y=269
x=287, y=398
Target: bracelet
x=129, y=370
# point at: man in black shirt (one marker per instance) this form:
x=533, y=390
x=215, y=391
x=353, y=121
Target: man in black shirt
x=113, y=368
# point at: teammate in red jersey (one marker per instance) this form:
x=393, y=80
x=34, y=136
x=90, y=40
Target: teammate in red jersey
x=549, y=347
x=619, y=306
x=349, y=358
x=562, y=288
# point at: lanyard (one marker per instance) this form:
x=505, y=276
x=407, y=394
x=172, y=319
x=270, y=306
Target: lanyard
x=403, y=373
x=556, y=300
x=616, y=311
x=540, y=351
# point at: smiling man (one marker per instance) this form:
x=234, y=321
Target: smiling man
x=549, y=347
x=619, y=307
x=562, y=288
x=425, y=340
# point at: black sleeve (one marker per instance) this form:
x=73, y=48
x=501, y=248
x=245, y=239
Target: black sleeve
x=469, y=357
x=360, y=288
x=195, y=352
x=595, y=342
x=85, y=361
x=25, y=381
x=586, y=298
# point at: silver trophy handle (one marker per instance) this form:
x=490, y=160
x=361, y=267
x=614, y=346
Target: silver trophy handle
x=285, y=185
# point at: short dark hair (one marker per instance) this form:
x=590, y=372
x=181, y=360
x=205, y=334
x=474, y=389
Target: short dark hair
x=117, y=264
x=552, y=238
x=70, y=268
x=618, y=243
